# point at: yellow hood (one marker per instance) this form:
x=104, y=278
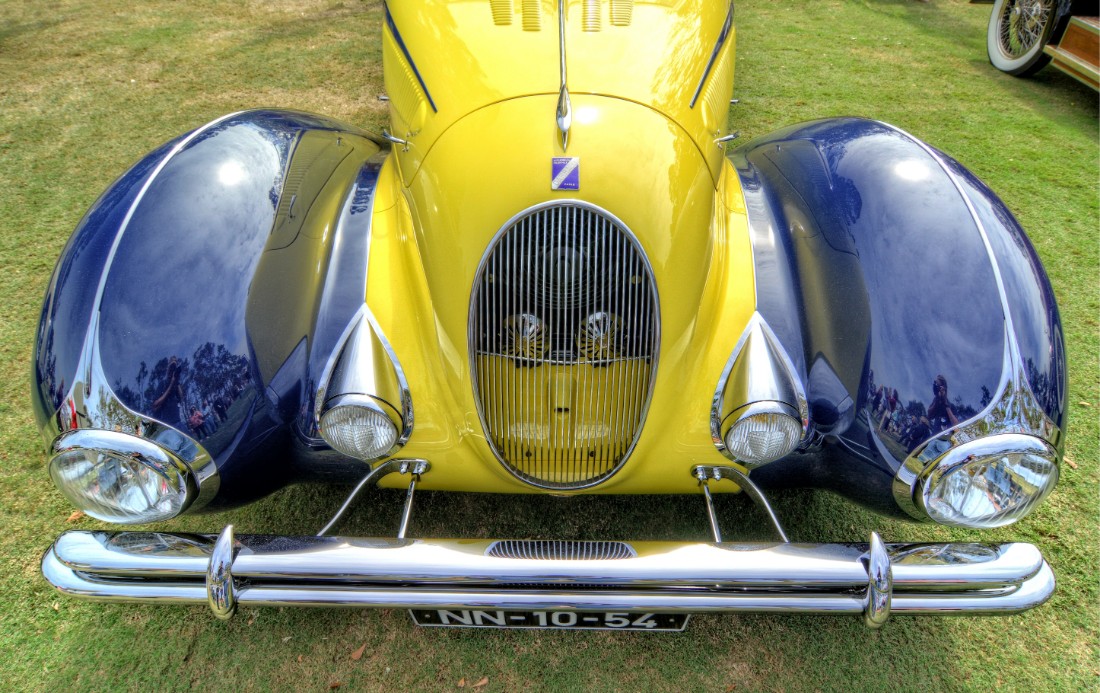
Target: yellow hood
x=446, y=59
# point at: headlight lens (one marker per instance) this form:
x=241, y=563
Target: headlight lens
x=117, y=477
x=762, y=434
x=990, y=482
x=358, y=428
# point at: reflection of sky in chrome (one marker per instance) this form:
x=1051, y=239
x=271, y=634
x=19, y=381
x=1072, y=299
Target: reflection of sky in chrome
x=182, y=271
x=934, y=301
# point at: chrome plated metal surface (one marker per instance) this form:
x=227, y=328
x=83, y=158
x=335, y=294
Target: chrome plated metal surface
x=220, y=588
x=353, y=370
x=372, y=477
x=984, y=448
x=726, y=138
x=880, y=584
x=393, y=139
x=712, y=517
x=172, y=471
x=564, y=336
x=1013, y=410
x=706, y=473
x=92, y=404
x=660, y=576
x=758, y=370
x=406, y=512
x=545, y=549
x=565, y=110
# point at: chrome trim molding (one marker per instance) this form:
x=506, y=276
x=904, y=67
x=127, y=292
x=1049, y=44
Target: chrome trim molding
x=645, y=312
x=91, y=402
x=763, y=372
x=661, y=576
x=985, y=446
x=179, y=147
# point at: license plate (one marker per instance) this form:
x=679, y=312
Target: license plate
x=576, y=620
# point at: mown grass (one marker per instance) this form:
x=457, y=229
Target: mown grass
x=87, y=86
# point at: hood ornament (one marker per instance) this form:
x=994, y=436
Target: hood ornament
x=565, y=109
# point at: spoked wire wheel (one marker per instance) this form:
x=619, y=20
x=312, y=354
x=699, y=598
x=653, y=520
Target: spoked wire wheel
x=1018, y=30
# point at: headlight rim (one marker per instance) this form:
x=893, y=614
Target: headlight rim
x=982, y=448
x=120, y=445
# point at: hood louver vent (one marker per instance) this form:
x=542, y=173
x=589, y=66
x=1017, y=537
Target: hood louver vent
x=620, y=13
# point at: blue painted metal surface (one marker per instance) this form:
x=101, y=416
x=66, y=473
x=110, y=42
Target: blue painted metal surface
x=875, y=276
x=175, y=342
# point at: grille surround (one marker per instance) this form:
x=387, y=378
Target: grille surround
x=639, y=357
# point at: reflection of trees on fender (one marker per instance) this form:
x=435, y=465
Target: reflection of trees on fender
x=208, y=381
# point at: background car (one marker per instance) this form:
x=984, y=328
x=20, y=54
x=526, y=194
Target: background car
x=1025, y=35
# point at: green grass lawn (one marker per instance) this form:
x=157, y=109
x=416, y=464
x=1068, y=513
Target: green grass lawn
x=88, y=86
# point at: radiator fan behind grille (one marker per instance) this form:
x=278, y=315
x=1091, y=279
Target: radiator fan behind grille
x=563, y=337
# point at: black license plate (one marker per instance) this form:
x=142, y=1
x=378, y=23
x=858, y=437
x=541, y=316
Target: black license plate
x=576, y=620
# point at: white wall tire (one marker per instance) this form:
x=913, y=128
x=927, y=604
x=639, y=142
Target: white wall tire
x=1018, y=30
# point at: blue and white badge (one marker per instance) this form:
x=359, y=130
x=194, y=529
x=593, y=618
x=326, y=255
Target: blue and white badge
x=565, y=173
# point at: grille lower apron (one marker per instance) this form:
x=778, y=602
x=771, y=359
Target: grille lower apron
x=564, y=330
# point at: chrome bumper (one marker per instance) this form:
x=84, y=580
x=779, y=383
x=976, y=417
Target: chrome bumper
x=871, y=579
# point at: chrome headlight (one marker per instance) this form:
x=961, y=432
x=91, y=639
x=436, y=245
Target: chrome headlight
x=118, y=477
x=763, y=432
x=359, y=427
x=989, y=482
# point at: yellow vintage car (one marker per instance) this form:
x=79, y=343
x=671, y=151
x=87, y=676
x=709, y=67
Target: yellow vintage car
x=550, y=274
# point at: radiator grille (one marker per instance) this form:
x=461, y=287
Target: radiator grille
x=549, y=550
x=564, y=331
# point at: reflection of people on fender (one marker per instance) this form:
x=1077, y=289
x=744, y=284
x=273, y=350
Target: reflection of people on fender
x=889, y=406
x=917, y=434
x=195, y=421
x=166, y=407
x=941, y=414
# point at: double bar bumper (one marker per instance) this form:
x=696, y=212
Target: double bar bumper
x=872, y=579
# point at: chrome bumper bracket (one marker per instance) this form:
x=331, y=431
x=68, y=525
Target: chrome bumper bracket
x=221, y=590
x=415, y=467
x=707, y=473
x=880, y=583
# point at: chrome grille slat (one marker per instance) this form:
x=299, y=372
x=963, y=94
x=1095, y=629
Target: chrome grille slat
x=564, y=335
x=556, y=550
